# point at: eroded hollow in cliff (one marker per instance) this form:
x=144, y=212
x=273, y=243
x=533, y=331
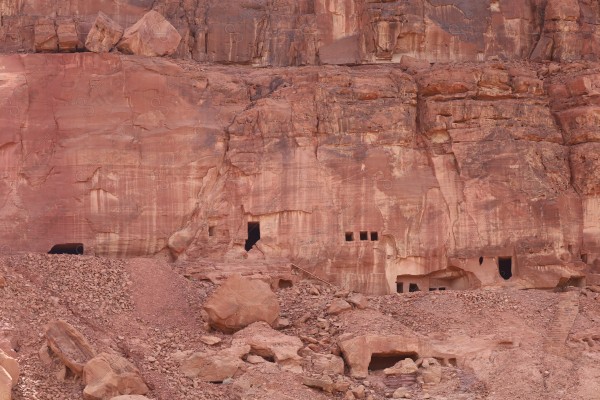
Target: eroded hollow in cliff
x=383, y=361
x=67, y=248
x=253, y=235
x=505, y=267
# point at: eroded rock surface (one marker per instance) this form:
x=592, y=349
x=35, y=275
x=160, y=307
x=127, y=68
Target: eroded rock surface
x=69, y=345
x=239, y=302
x=110, y=375
x=151, y=36
x=434, y=175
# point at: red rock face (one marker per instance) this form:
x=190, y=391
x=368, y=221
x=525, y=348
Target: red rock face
x=306, y=32
x=136, y=156
x=458, y=151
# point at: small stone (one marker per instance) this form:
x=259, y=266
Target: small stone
x=359, y=392
x=338, y=306
x=210, y=340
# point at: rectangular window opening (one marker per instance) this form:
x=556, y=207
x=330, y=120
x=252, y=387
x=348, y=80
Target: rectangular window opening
x=349, y=236
x=364, y=235
x=211, y=231
x=399, y=287
x=374, y=236
x=413, y=287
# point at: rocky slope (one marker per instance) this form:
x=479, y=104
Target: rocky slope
x=516, y=344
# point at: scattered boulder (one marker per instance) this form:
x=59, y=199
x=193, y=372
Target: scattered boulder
x=151, y=36
x=45, y=37
x=401, y=393
x=215, y=366
x=239, y=302
x=110, y=375
x=338, y=306
x=104, y=35
x=266, y=342
x=328, y=364
x=11, y=366
x=359, y=300
x=406, y=366
x=69, y=345
x=68, y=40
x=210, y=340
x=431, y=371
x=324, y=383
x=6, y=384
x=358, y=350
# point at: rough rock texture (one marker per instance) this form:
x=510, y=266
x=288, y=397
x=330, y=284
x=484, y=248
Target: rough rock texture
x=46, y=38
x=444, y=170
x=6, y=383
x=69, y=345
x=68, y=39
x=104, y=35
x=151, y=36
x=292, y=32
x=239, y=302
x=11, y=366
x=215, y=366
x=266, y=342
x=110, y=375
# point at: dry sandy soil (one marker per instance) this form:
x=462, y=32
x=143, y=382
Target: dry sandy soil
x=509, y=344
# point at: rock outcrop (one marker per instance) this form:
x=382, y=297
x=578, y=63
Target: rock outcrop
x=110, y=375
x=437, y=177
x=292, y=32
x=268, y=343
x=69, y=345
x=151, y=36
x=215, y=366
x=239, y=302
x=104, y=35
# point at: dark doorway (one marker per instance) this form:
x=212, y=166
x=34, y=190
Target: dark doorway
x=211, y=231
x=383, y=361
x=399, y=287
x=413, y=287
x=253, y=235
x=374, y=236
x=505, y=267
x=364, y=235
x=584, y=258
x=349, y=236
x=67, y=248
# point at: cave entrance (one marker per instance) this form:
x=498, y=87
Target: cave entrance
x=253, y=235
x=67, y=248
x=381, y=361
x=505, y=267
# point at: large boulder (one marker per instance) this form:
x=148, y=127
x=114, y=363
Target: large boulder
x=6, y=384
x=110, y=375
x=240, y=302
x=358, y=350
x=266, y=342
x=11, y=366
x=45, y=36
x=68, y=39
x=215, y=366
x=151, y=36
x=104, y=35
x=69, y=345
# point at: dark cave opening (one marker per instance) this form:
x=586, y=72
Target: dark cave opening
x=383, y=361
x=505, y=267
x=253, y=235
x=67, y=248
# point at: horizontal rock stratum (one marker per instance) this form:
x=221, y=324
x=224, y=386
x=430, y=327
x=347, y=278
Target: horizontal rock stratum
x=307, y=32
x=365, y=175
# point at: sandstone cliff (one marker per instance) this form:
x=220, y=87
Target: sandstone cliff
x=364, y=174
